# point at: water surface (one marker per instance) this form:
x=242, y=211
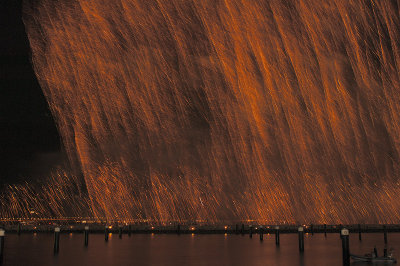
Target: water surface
x=163, y=249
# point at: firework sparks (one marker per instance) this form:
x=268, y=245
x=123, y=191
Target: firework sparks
x=280, y=111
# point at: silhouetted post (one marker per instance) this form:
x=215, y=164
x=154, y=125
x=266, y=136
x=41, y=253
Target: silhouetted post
x=261, y=232
x=325, y=230
x=120, y=232
x=129, y=230
x=251, y=232
x=385, y=252
x=56, y=239
x=19, y=229
x=312, y=229
x=385, y=234
x=86, y=233
x=106, y=234
x=359, y=232
x=242, y=230
x=345, y=246
x=301, y=238
x=237, y=229
x=2, y=234
x=277, y=235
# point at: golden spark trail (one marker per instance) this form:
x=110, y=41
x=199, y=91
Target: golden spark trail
x=273, y=111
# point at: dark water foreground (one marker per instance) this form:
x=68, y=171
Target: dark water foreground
x=187, y=249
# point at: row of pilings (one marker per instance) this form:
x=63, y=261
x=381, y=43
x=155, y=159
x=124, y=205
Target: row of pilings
x=242, y=229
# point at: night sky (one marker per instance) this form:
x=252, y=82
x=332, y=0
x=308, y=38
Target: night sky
x=30, y=143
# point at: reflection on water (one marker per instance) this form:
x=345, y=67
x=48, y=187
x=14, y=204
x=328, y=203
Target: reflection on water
x=191, y=249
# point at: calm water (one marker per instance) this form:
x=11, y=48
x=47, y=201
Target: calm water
x=146, y=249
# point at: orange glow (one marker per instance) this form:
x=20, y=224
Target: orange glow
x=170, y=110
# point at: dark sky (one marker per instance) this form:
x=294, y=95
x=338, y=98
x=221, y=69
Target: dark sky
x=29, y=139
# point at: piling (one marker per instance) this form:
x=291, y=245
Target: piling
x=325, y=230
x=56, y=239
x=251, y=231
x=277, y=235
x=19, y=229
x=178, y=229
x=385, y=234
x=86, y=233
x=242, y=230
x=261, y=232
x=312, y=229
x=359, y=232
x=301, y=238
x=120, y=232
x=345, y=246
x=129, y=230
x=2, y=234
x=106, y=234
x=237, y=229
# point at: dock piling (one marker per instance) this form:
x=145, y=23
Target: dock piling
x=2, y=235
x=359, y=232
x=106, y=234
x=325, y=230
x=277, y=235
x=301, y=238
x=120, y=232
x=385, y=234
x=261, y=232
x=86, y=233
x=56, y=239
x=345, y=246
